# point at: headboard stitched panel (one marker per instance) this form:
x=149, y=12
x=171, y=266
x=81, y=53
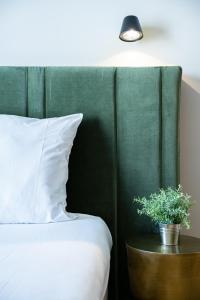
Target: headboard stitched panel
x=147, y=101
x=127, y=144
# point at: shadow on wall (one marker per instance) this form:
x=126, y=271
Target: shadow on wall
x=190, y=146
x=151, y=33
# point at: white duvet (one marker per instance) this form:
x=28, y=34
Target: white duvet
x=57, y=261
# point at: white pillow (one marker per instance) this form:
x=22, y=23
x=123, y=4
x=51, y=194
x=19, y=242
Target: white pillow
x=34, y=156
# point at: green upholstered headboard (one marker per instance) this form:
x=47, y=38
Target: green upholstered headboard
x=127, y=144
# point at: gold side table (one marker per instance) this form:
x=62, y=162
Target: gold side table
x=158, y=272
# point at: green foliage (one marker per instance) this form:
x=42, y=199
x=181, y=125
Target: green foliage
x=169, y=206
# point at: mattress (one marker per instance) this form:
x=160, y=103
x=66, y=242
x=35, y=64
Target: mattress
x=57, y=261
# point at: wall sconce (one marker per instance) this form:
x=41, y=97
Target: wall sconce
x=131, y=30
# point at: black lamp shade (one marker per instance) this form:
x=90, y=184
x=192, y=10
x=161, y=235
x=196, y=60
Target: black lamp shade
x=131, y=30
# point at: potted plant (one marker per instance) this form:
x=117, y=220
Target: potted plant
x=170, y=209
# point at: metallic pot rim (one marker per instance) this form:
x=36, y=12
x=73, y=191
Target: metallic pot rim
x=169, y=226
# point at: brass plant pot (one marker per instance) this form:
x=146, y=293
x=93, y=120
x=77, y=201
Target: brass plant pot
x=169, y=234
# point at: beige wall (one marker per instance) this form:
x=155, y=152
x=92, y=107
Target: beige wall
x=66, y=32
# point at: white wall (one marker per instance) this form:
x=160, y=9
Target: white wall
x=67, y=32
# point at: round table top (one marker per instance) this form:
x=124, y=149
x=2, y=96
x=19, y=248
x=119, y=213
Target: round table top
x=152, y=243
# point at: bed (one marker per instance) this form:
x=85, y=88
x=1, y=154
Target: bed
x=126, y=146
x=63, y=260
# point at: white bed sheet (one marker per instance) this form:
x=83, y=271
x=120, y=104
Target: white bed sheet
x=57, y=261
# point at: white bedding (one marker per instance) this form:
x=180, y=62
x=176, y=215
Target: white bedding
x=56, y=261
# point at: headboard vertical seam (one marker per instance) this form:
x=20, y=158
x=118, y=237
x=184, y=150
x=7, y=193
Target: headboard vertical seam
x=178, y=127
x=44, y=95
x=161, y=125
x=27, y=90
x=116, y=184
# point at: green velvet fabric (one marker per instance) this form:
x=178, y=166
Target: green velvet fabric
x=13, y=90
x=127, y=144
x=147, y=102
